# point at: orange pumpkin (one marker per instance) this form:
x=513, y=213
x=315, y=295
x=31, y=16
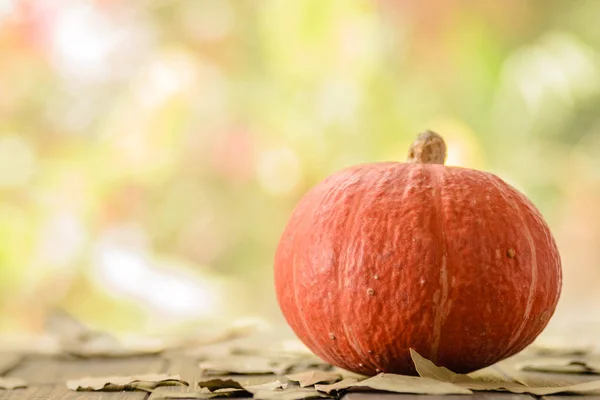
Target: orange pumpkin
x=453, y=262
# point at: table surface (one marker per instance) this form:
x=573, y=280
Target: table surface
x=47, y=376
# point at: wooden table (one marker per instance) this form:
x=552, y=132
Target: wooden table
x=47, y=376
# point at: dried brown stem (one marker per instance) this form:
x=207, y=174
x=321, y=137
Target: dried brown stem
x=429, y=148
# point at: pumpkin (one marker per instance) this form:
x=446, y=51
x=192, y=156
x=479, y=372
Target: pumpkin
x=383, y=257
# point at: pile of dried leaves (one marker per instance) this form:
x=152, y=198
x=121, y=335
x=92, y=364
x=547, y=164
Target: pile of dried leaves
x=321, y=381
x=230, y=361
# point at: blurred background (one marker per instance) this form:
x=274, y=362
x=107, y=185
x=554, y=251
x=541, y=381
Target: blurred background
x=152, y=151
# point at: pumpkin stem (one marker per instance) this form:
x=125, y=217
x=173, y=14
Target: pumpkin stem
x=429, y=148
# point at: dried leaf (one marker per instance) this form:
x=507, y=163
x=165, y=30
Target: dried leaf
x=220, y=388
x=273, y=353
x=293, y=363
x=295, y=367
x=560, y=349
x=216, y=384
x=410, y=384
x=305, y=364
x=119, y=383
x=289, y=394
x=310, y=378
x=12, y=383
x=244, y=366
x=266, y=386
x=494, y=373
x=264, y=391
x=398, y=384
x=349, y=374
x=429, y=369
x=560, y=366
x=296, y=361
x=337, y=387
x=205, y=341
x=219, y=384
x=578, y=388
x=183, y=395
x=288, y=355
x=197, y=395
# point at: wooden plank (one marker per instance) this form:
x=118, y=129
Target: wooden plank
x=60, y=392
x=159, y=392
x=38, y=371
x=569, y=397
x=400, y=396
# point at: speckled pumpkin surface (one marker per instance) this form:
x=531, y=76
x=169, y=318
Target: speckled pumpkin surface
x=384, y=257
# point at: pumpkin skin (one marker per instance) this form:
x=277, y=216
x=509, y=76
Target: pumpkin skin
x=452, y=262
